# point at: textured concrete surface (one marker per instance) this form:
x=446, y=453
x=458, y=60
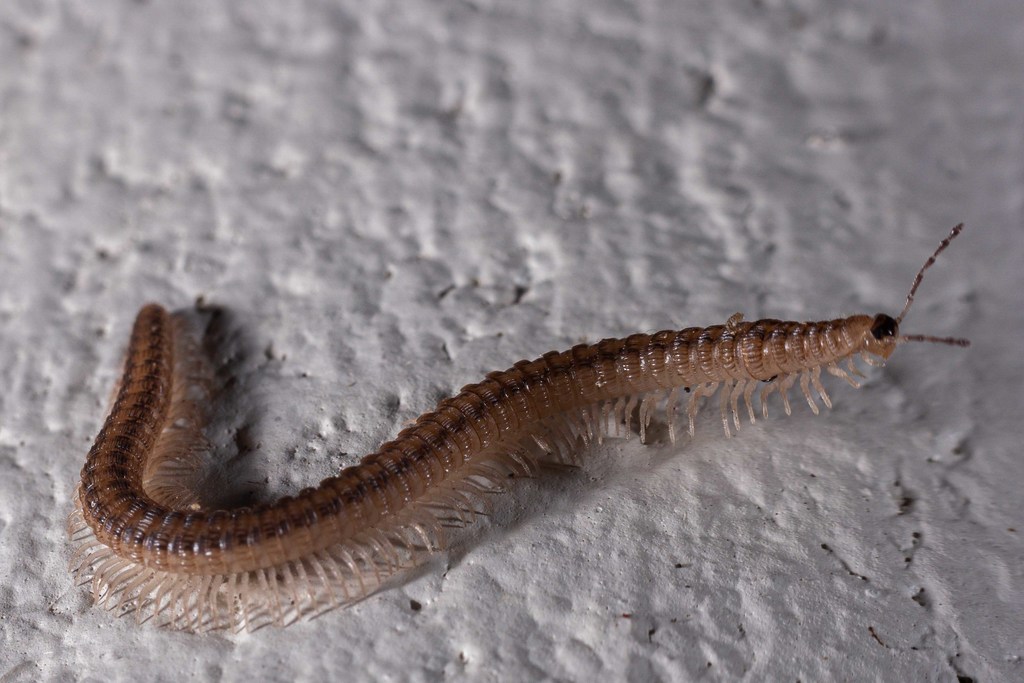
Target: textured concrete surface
x=391, y=199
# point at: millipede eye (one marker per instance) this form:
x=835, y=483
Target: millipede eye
x=884, y=326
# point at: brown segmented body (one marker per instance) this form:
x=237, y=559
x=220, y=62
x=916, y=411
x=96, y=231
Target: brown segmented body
x=147, y=547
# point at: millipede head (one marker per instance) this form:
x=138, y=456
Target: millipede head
x=884, y=326
x=882, y=335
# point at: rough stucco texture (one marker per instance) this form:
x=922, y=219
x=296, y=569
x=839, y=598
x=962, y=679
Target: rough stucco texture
x=391, y=199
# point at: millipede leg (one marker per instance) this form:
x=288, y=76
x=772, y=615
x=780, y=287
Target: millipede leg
x=772, y=385
x=647, y=408
x=784, y=386
x=606, y=413
x=734, y=398
x=816, y=381
x=578, y=428
x=630, y=406
x=723, y=405
x=748, y=392
x=805, y=387
x=670, y=413
x=693, y=405
x=317, y=566
x=871, y=360
x=837, y=371
x=619, y=415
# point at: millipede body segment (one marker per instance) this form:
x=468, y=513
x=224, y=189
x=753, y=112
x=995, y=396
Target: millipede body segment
x=147, y=547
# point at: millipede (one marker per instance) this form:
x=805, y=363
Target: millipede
x=147, y=547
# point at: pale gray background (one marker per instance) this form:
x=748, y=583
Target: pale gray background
x=392, y=199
